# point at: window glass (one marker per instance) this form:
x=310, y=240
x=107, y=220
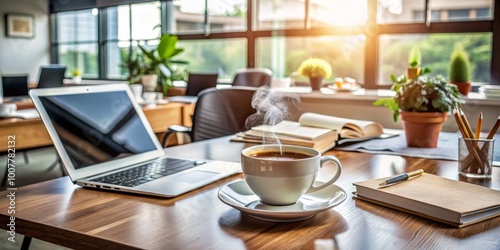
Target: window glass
x=400, y=11
x=284, y=14
x=118, y=23
x=224, y=56
x=283, y=55
x=146, y=21
x=462, y=10
x=187, y=16
x=338, y=12
x=227, y=15
x=117, y=53
x=81, y=56
x=436, y=50
x=77, y=26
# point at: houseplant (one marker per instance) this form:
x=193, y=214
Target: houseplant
x=316, y=69
x=160, y=60
x=459, y=71
x=423, y=103
x=77, y=75
x=414, y=61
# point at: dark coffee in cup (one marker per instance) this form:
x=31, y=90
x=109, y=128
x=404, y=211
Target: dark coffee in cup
x=276, y=155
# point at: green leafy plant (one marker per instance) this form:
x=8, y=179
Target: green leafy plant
x=423, y=94
x=76, y=72
x=315, y=67
x=414, y=57
x=160, y=59
x=459, y=68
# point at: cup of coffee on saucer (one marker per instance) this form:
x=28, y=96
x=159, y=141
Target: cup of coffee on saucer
x=280, y=174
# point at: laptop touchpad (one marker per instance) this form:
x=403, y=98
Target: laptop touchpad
x=195, y=176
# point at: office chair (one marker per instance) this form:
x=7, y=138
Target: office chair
x=15, y=85
x=218, y=112
x=198, y=82
x=51, y=76
x=252, y=77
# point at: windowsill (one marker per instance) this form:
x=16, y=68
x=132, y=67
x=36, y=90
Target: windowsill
x=371, y=95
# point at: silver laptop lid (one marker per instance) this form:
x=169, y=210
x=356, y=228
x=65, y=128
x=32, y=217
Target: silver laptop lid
x=96, y=129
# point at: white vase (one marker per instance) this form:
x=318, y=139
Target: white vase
x=149, y=82
x=77, y=79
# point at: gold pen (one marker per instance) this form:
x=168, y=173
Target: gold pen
x=401, y=177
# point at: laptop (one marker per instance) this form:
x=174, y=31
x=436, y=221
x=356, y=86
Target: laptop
x=15, y=87
x=196, y=83
x=51, y=76
x=105, y=141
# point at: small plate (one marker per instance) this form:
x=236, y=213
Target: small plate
x=239, y=196
x=350, y=89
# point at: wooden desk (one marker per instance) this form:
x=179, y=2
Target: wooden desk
x=32, y=133
x=64, y=214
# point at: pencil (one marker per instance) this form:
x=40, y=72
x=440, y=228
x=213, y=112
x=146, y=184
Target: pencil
x=466, y=124
x=479, y=125
x=493, y=131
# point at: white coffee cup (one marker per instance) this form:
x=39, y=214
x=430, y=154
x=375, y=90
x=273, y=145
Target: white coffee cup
x=7, y=108
x=149, y=97
x=136, y=90
x=283, y=179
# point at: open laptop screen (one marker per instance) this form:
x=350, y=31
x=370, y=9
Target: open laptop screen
x=97, y=127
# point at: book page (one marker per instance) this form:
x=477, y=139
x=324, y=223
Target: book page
x=294, y=129
x=356, y=128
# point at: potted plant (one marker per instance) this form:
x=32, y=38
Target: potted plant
x=316, y=69
x=459, y=71
x=160, y=60
x=77, y=75
x=414, y=61
x=423, y=104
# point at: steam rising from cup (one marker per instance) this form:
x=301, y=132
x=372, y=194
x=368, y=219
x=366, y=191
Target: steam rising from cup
x=271, y=108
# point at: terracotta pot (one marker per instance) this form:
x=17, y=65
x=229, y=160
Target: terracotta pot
x=412, y=73
x=422, y=128
x=316, y=82
x=463, y=87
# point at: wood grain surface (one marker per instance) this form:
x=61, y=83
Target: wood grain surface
x=62, y=213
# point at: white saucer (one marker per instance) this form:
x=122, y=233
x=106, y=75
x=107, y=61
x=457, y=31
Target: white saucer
x=238, y=195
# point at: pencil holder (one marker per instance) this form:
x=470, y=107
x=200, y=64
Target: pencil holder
x=475, y=157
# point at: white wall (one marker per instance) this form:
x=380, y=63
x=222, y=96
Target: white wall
x=21, y=56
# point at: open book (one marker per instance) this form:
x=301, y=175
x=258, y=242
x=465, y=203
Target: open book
x=320, y=132
x=348, y=128
x=448, y=201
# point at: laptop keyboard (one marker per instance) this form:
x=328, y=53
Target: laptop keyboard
x=148, y=172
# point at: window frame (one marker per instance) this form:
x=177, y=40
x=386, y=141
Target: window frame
x=372, y=33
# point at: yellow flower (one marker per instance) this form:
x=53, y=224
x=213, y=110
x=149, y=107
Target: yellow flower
x=315, y=67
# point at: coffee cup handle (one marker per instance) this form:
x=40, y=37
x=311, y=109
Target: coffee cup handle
x=324, y=159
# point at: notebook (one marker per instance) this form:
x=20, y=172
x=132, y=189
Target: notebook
x=102, y=136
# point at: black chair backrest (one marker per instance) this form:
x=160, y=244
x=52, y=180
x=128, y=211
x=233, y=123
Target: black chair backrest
x=15, y=85
x=221, y=112
x=198, y=82
x=51, y=76
x=252, y=77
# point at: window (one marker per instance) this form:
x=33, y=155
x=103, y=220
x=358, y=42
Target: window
x=222, y=56
x=286, y=14
x=128, y=26
x=283, y=55
x=436, y=51
x=188, y=16
x=365, y=40
x=77, y=41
